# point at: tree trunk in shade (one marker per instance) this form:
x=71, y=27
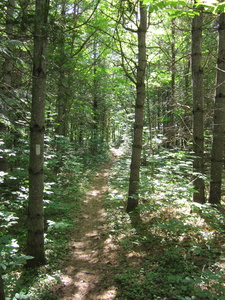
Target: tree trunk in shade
x=139, y=112
x=198, y=108
x=217, y=155
x=6, y=86
x=35, y=237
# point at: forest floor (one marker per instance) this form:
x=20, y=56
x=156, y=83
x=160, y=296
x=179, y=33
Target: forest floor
x=89, y=269
x=173, y=250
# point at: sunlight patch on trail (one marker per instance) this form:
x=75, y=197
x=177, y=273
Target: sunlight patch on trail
x=93, y=253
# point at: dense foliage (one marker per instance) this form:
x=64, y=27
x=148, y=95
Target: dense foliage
x=92, y=61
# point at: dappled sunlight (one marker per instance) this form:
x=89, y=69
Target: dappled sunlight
x=94, y=193
x=92, y=253
x=178, y=252
x=109, y=294
x=153, y=252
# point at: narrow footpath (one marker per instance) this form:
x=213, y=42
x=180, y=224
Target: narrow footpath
x=89, y=270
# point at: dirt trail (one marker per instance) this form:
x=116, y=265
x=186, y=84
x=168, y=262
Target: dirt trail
x=89, y=270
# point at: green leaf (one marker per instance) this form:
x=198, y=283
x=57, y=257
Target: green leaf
x=220, y=7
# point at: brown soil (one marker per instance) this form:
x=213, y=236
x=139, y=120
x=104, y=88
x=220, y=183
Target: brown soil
x=89, y=270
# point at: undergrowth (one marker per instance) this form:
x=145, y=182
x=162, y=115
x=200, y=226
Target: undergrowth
x=177, y=252
x=62, y=200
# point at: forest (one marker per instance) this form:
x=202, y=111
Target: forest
x=112, y=128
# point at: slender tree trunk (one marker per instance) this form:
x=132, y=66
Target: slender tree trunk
x=198, y=107
x=62, y=90
x=95, y=106
x=188, y=103
x=139, y=112
x=8, y=65
x=217, y=160
x=35, y=237
x=7, y=69
x=61, y=127
x=62, y=99
x=170, y=130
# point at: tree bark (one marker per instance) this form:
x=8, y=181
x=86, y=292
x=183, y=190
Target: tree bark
x=8, y=64
x=35, y=237
x=95, y=106
x=198, y=108
x=139, y=112
x=170, y=128
x=217, y=159
x=62, y=98
x=7, y=69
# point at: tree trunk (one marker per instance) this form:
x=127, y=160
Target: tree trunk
x=95, y=106
x=198, y=107
x=62, y=97
x=35, y=237
x=170, y=128
x=62, y=88
x=219, y=119
x=61, y=103
x=7, y=70
x=8, y=64
x=139, y=112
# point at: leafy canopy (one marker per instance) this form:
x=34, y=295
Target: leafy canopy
x=174, y=6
